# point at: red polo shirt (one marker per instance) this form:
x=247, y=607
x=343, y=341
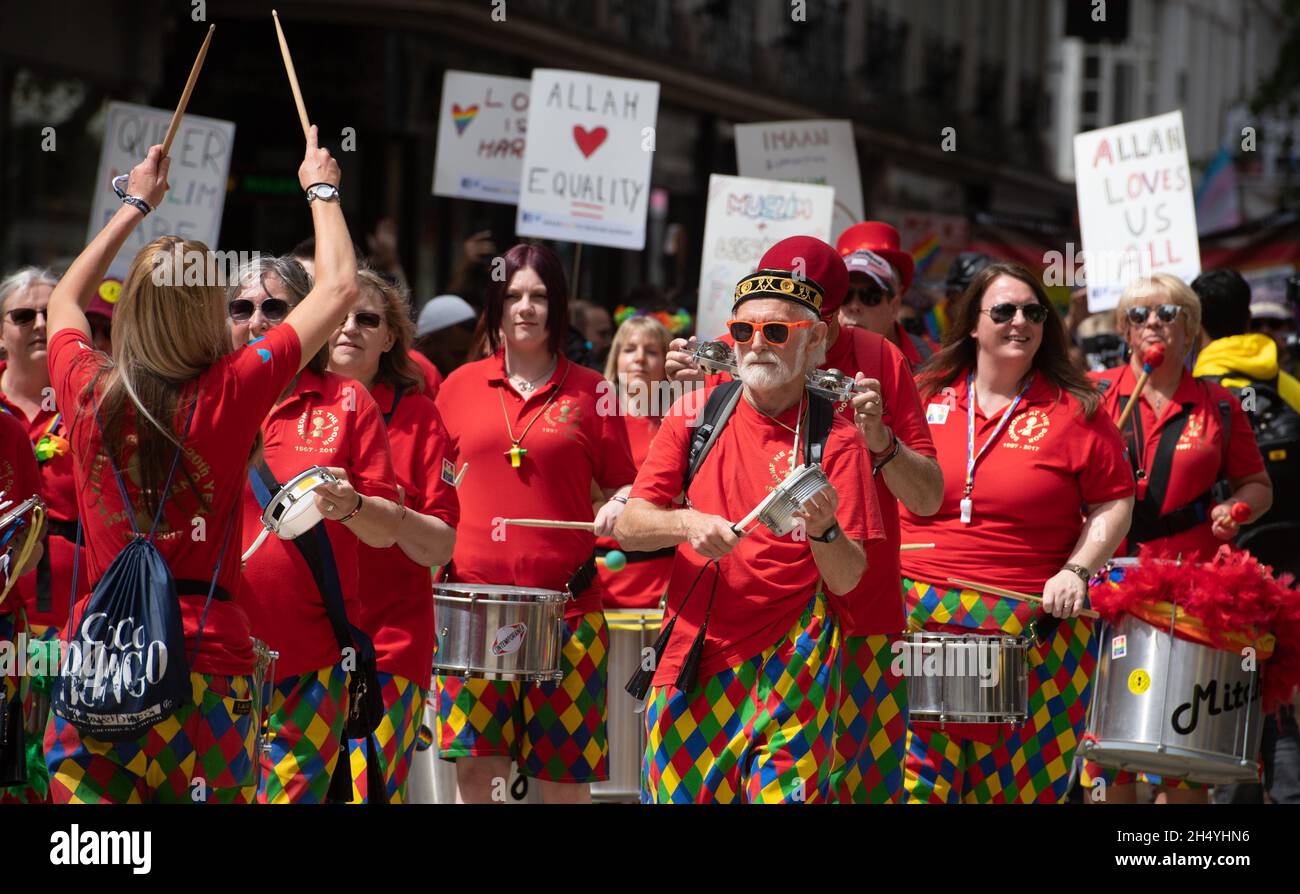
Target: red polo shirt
x=397, y=594
x=639, y=584
x=1030, y=489
x=233, y=395
x=876, y=605
x=326, y=421
x=766, y=581
x=432, y=378
x=575, y=439
x=19, y=480
x=59, y=491
x=1200, y=454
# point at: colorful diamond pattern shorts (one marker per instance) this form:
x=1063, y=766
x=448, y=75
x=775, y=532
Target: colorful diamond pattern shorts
x=554, y=731
x=871, y=727
x=759, y=732
x=394, y=739
x=303, y=731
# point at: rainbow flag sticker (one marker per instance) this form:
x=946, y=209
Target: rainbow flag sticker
x=462, y=117
x=924, y=253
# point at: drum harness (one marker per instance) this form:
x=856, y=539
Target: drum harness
x=717, y=411
x=1148, y=521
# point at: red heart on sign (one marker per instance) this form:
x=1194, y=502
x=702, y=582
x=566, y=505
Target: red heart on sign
x=588, y=140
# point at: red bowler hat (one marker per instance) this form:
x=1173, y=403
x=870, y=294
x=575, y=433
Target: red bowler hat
x=883, y=239
x=801, y=269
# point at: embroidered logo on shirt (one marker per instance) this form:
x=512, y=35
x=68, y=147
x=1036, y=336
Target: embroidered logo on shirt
x=318, y=429
x=448, y=472
x=1027, y=429
x=1193, y=433
x=563, y=416
x=937, y=414
x=261, y=352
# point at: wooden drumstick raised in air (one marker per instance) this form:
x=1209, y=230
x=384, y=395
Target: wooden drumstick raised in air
x=550, y=523
x=1012, y=594
x=185, y=94
x=293, y=77
x=1154, y=356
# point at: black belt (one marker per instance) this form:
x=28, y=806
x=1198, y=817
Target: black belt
x=1145, y=528
x=200, y=588
x=68, y=531
x=65, y=529
x=633, y=557
x=578, y=584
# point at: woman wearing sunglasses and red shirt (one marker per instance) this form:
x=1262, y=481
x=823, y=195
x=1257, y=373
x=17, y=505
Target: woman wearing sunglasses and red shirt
x=372, y=347
x=1023, y=447
x=319, y=419
x=1207, y=442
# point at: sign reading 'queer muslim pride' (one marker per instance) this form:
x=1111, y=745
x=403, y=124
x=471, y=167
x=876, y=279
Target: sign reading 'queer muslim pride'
x=745, y=217
x=586, y=174
x=812, y=151
x=200, y=166
x=1137, y=213
x=481, y=132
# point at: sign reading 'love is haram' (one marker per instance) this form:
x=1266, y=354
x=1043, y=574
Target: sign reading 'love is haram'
x=586, y=175
x=481, y=129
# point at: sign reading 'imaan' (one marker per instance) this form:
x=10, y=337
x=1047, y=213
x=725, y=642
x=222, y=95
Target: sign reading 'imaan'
x=586, y=175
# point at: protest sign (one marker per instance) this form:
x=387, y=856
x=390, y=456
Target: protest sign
x=811, y=151
x=1136, y=211
x=481, y=129
x=586, y=174
x=744, y=218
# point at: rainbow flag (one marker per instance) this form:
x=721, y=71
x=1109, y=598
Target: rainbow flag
x=1217, y=204
x=924, y=253
x=936, y=320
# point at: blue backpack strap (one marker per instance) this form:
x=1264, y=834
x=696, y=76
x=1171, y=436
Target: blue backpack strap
x=397, y=399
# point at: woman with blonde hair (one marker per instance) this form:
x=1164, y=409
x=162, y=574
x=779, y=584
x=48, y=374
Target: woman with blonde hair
x=1192, y=450
x=635, y=369
x=372, y=347
x=176, y=394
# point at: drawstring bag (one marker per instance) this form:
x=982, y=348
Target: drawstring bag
x=125, y=668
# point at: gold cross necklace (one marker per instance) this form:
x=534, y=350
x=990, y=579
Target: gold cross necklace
x=516, y=453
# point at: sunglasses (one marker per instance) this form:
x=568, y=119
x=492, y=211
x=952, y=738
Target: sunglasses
x=1003, y=313
x=868, y=295
x=25, y=316
x=773, y=333
x=365, y=319
x=274, y=309
x=1165, y=313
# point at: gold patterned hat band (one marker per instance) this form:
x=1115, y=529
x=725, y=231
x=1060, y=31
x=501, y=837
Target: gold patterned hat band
x=779, y=284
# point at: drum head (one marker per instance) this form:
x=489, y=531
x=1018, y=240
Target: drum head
x=497, y=591
x=292, y=512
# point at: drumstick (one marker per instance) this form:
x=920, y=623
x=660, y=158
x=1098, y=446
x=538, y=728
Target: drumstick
x=1154, y=356
x=261, y=538
x=550, y=523
x=460, y=475
x=907, y=547
x=185, y=94
x=293, y=77
x=1012, y=594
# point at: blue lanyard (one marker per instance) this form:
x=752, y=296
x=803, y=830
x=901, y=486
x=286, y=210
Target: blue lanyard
x=971, y=456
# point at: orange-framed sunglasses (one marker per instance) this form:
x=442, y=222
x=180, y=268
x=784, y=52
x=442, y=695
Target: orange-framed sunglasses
x=774, y=333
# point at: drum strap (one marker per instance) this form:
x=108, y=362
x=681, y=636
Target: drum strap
x=397, y=399
x=633, y=557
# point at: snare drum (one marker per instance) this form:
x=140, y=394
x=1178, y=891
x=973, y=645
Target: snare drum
x=632, y=633
x=1172, y=707
x=292, y=511
x=955, y=678
x=497, y=632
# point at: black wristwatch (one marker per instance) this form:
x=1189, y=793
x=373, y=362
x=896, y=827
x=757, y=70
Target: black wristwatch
x=830, y=535
x=326, y=192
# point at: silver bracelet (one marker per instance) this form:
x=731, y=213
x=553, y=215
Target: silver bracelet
x=134, y=201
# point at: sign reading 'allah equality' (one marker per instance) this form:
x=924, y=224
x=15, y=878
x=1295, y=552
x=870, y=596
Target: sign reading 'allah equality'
x=481, y=136
x=586, y=175
x=1137, y=211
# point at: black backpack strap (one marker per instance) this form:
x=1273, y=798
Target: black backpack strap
x=821, y=416
x=316, y=551
x=397, y=399
x=717, y=410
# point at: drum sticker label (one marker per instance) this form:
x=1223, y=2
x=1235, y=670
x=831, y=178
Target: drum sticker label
x=1139, y=681
x=448, y=472
x=509, y=639
x=937, y=414
x=1118, y=647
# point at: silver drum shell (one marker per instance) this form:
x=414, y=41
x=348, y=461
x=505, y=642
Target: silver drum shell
x=958, y=693
x=497, y=632
x=1167, y=728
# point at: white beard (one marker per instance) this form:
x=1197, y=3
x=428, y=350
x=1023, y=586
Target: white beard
x=778, y=373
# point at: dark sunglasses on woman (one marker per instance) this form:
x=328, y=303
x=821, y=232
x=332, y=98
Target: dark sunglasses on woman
x=25, y=316
x=366, y=319
x=1002, y=313
x=773, y=333
x=274, y=309
x=1165, y=313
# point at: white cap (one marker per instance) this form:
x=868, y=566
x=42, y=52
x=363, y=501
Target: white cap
x=443, y=311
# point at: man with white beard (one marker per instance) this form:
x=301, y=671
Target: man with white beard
x=742, y=702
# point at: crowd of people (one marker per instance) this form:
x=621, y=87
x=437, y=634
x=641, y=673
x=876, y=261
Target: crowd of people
x=993, y=443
